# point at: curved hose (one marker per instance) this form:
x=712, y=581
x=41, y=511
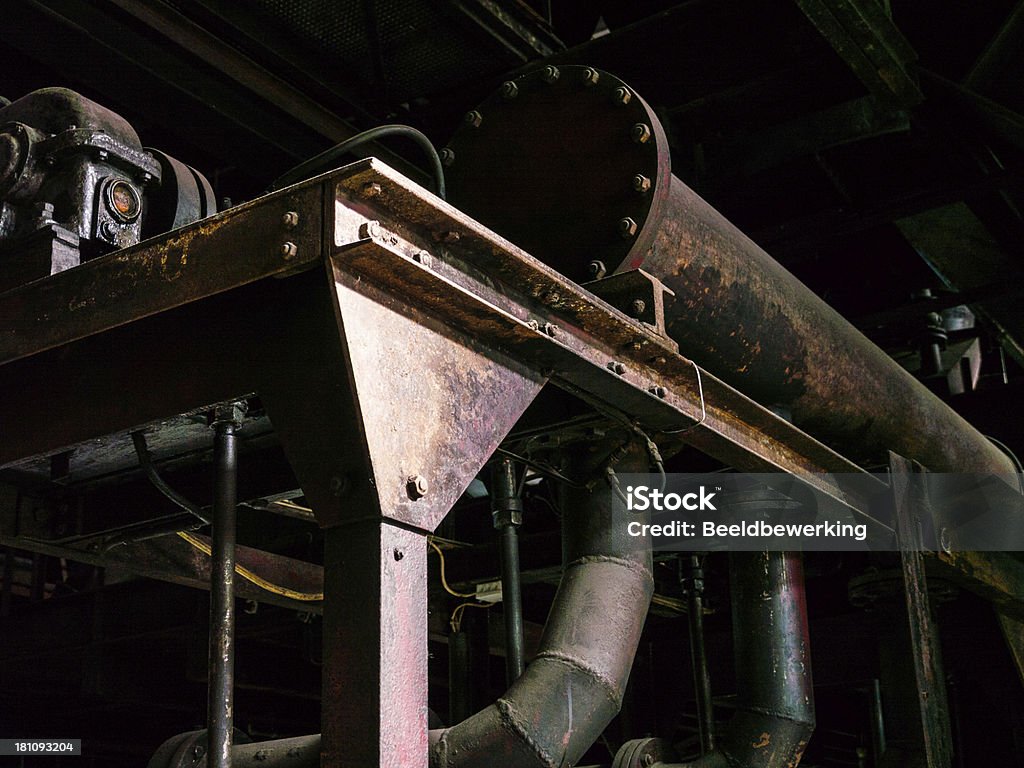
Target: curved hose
x=323, y=161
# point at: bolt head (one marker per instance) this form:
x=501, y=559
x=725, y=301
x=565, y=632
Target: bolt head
x=370, y=229
x=473, y=119
x=289, y=250
x=640, y=133
x=422, y=257
x=371, y=189
x=627, y=227
x=417, y=487
x=509, y=90
x=590, y=77
x=622, y=96
x=447, y=156
x=550, y=74
x=641, y=184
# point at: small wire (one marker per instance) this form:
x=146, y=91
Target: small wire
x=543, y=469
x=253, y=578
x=1013, y=458
x=444, y=580
x=292, y=505
x=316, y=164
x=703, y=407
x=456, y=619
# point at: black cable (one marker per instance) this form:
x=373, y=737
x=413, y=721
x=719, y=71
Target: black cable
x=145, y=461
x=324, y=161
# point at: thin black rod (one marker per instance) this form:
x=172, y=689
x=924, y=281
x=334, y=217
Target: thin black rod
x=694, y=581
x=222, y=602
x=511, y=597
x=507, y=509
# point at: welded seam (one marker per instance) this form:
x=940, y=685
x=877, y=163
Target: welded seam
x=611, y=690
x=632, y=566
x=441, y=750
x=512, y=722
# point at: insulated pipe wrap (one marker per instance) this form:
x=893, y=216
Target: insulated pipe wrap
x=574, y=686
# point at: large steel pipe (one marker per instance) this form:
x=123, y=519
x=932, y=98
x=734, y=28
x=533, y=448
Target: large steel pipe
x=574, y=686
x=572, y=165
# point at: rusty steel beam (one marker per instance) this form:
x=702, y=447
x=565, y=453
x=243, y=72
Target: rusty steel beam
x=174, y=560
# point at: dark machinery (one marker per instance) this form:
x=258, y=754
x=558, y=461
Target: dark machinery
x=76, y=183
x=401, y=347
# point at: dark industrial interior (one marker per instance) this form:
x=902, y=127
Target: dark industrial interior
x=417, y=419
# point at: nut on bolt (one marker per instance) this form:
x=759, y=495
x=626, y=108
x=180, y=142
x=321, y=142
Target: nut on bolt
x=597, y=269
x=447, y=156
x=550, y=74
x=640, y=133
x=289, y=250
x=473, y=119
x=622, y=96
x=590, y=76
x=290, y=220
x=371, y=189
x=641, y=184
x=369, y=229
x=627, y=227
x=509, y=90
x=417, y=486
x=658, y=392
x=616, y=367
x=637, y=307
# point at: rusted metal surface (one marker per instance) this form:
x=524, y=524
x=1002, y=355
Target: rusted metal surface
x=775, y=701
x=433, y=402
x=217, y=254
x=910, y=495
x=527, y=161
x=737, y=312
x=574, y=685
x=480, y=283
x=375, y=646
x=748, y=320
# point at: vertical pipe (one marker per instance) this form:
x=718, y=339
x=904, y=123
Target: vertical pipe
x=507, y=511
x=694, y=579
x=877, y=723
x=459, y=707
x=222, y=602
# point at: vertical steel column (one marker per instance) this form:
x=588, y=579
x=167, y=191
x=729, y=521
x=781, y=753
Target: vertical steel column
x=375, y=646
x=220, y=688
x=507, y=512
x=693, y=579
x=458, y=677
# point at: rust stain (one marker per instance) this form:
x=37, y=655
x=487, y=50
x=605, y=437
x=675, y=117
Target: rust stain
x=765, y=741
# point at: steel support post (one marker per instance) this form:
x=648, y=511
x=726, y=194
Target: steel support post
x=928, y=711
x=375, y=646
x=220, y=711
